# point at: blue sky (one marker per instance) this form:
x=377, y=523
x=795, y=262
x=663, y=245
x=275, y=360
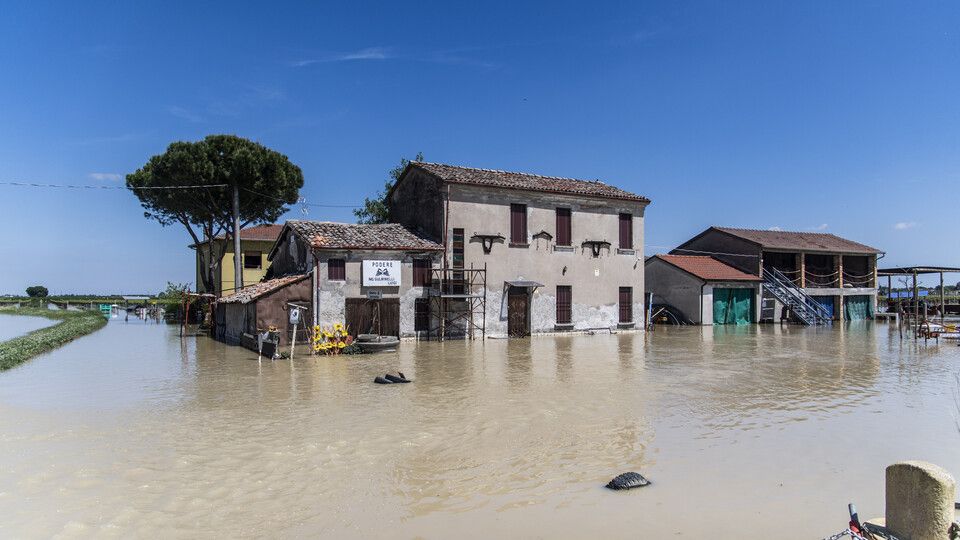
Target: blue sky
x=833, y=116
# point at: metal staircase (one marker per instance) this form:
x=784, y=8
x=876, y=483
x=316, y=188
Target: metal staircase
x=805, y=308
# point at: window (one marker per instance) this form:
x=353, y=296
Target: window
x=421, y=315
x=252, y=259
x=456, y=278
x=336, y=270
x=518, y=224
x=564, y=303
x=421, y=272
x=563, y=227
x=626, y=231
x=626, y=305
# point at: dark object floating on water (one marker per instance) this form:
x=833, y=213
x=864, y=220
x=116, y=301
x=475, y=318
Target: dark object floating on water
x=381, y=380
x=628, y=480
x=395, y=379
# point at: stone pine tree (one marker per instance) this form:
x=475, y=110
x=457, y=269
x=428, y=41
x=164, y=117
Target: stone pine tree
x=240, y=173
x=375, y=210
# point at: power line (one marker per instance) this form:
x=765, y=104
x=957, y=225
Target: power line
x=72, y=186
x=302, y=203
x=706, y=252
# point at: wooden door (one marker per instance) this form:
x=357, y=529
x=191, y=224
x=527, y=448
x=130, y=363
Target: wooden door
x=518, y=312
x=364, y=316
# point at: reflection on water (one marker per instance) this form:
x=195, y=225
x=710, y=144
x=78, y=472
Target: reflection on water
x=12, y=326
x=132, y=432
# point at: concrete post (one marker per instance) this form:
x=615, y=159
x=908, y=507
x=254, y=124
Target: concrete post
x=920, y=499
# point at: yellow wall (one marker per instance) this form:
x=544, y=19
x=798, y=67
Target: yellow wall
x=250, y=275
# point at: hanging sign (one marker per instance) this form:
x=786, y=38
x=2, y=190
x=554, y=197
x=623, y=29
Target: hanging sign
x=381, y=273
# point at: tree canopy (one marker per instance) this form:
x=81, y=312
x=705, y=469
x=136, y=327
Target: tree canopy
x=37, y=291
x=266, y=179
x=376, y=210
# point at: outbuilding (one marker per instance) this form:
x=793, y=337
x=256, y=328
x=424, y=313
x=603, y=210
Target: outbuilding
x=699, y=289
x=239, y=317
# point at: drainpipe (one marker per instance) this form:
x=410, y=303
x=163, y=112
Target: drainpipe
x=701, y=302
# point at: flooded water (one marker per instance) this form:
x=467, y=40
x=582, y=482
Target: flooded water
x=754, y=432
x=12, y=326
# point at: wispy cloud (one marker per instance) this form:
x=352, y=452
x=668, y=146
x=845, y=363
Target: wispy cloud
x=774, y=229
x=448, y=57
x=103, y=176
x=904, y=225
x=249, y=97
x=369, y=53
x=184, y=114
x=820, y=227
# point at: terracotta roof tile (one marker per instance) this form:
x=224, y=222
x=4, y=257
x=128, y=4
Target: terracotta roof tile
x=387, y=236
x=800, y=241
x=252, y=292
x=707, y=268
x=267, y=232
x=526, y=181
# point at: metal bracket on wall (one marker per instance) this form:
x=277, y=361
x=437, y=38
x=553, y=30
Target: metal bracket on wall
x=595, y=246
x=487, y=241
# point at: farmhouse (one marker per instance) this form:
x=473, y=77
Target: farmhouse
x=255, y=242
x=811, y=277
x=699, y=289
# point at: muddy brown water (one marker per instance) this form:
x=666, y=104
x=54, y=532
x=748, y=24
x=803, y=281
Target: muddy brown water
x=758, y=432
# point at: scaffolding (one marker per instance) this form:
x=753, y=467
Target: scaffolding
x=458, y=302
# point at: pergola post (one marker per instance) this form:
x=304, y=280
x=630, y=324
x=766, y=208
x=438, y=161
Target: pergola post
x=916, y=305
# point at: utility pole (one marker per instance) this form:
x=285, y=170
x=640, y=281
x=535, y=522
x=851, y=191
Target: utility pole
x=237, y=266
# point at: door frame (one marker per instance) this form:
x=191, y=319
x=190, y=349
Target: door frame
x=518, y=292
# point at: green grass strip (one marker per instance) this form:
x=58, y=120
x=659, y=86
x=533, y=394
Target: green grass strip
x=72, y=325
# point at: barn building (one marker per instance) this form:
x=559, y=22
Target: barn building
x=810, y=276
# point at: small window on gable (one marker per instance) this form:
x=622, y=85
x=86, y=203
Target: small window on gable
x=336, y=270
x=252, y=259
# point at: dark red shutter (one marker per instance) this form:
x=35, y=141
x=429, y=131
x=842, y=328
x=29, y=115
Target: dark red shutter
x=421, y=312
x=421, y=272
x=563, y=227
x=564, y=304
x=336, y=270
x=626, y=231
x=626, y=304
x=518, y=224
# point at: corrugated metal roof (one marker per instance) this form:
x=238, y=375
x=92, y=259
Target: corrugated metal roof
x=707, y=268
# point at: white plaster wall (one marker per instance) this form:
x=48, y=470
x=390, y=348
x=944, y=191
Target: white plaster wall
x=595, y=281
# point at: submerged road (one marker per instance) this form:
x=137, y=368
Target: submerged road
x=745, y=432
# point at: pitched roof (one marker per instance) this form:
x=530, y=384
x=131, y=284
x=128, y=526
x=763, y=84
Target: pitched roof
x=707, y=268
x=267, y=232
x=386, y=236
x=252, y=292
x=800, y=241
x=526, y=181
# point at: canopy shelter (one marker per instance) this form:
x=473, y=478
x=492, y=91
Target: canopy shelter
x=918, y=271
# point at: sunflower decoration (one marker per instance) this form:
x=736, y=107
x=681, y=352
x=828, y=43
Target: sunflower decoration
x=331, y=340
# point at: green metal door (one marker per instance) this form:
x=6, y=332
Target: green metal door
x=733, y=306
x=857, y=308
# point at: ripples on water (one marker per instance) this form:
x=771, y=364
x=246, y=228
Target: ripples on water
x=130, y=432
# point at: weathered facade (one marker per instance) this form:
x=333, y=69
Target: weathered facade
x=255, y=243
x=703, y=290
x=338, y=252
x=837, y=273
x=238, y=317
x=558, y=253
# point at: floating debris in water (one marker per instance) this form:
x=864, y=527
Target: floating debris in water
x=628, y=480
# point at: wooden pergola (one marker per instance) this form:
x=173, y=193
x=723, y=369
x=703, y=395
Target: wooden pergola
x=916, y=271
